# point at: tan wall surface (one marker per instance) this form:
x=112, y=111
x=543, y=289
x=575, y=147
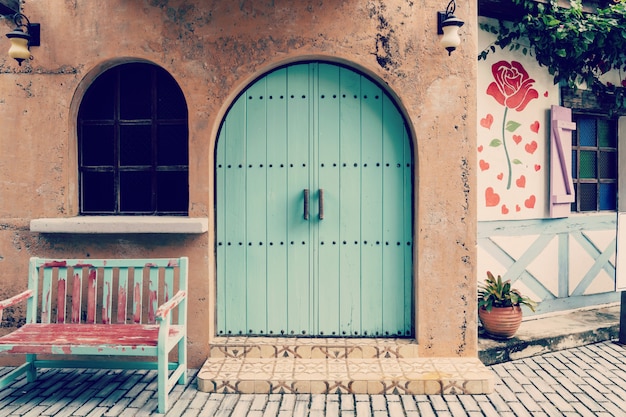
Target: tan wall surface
x=214, y=49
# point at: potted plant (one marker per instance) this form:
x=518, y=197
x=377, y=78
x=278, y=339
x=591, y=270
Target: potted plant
x=499, y=307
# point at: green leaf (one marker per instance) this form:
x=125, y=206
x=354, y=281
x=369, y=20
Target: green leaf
x=495, y=143
x=512, y=126
x=498, y=293
x=574, y=46
x=517, y=162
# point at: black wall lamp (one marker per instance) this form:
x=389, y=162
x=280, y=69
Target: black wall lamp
x=448, y=25
x=24, y=36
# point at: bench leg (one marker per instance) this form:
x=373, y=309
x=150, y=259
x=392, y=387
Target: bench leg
x=182, y=360
x=28, y=367
x=31, y=370
x=162, y=377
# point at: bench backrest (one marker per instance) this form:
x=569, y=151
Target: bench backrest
x=104, y=291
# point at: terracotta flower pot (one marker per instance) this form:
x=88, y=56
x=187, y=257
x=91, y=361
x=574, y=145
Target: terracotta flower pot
x=501, y=322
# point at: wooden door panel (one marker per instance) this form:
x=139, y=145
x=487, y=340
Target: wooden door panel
x=350, y=207
x=277, y=203
x=298, y=119
x=231, y=243
x=372, y=287
x=315, y=127
x=256, y=207
x=328, y=293
x=396, y=166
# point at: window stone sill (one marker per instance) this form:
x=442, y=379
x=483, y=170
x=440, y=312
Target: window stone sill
x=121, y=224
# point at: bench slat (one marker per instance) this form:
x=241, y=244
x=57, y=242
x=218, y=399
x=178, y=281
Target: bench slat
x=92, y=294
x=64, y=338
x=77, y=293
x=168, y=287
x=61, y=294
x=122, y=295
x=46, y=296
x=107, y=288
x=153, y=293
x=137, y=298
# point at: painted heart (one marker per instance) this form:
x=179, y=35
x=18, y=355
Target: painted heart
x=491, y=198
x=517, y=207
x=500, y=176
x=505, y=209
x=545, y=94
x=535, y=126
x=480, y=148
x=483, y=165
x=517, y=139
x=486, y=121
x=531, y=147
x=521, y=182
x=537, y=167
x=530, y=202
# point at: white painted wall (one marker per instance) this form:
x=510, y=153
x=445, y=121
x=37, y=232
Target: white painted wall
x=564, y=266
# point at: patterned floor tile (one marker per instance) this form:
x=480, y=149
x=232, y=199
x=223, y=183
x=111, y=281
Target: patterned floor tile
x=257, y=369
x=282, y=387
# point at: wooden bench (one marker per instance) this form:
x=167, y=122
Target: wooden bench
x=126, y=321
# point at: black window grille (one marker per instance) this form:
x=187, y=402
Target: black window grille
x=594, y=163
x=133, y=144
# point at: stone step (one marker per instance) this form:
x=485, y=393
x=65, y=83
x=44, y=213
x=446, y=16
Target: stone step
x=312, y=348
x=330, y=366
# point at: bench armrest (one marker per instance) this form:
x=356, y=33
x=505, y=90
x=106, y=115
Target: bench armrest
x=9, y=302
x=164, y=310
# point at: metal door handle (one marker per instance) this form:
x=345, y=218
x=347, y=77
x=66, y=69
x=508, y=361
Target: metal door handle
x=321, y=204
x=306, y=204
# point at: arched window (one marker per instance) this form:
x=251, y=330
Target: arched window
x=133, y=144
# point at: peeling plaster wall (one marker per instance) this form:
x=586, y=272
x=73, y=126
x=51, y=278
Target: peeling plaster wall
x=214, y=49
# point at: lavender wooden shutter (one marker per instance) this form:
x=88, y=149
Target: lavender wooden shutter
x=561, y=184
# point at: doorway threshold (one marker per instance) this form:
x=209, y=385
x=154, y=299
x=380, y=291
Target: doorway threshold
x=255, y=365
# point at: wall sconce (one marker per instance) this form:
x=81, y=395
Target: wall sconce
x=448, y=25
x=22, y=40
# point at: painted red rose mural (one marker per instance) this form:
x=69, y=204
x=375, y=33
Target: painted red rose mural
x=511, y=142
x=512, y=88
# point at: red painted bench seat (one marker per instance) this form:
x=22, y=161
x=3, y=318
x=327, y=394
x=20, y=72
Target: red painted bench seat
x=63, y=338
x=128, y=308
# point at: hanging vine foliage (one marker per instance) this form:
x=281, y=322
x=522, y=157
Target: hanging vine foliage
x=576, y=46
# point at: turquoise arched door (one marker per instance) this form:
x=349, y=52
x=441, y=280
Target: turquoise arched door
x=314, y=208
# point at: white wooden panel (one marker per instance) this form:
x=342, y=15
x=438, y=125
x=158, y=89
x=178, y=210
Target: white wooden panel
x=620, y=273
x=580, y=262
x=545, y=267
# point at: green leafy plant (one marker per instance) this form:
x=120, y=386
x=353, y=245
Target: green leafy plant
x=498, y=293
x=575, y=44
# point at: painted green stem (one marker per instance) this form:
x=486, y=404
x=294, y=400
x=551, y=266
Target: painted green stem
x=506, y=150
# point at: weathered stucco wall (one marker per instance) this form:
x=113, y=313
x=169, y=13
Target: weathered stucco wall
x=214, y=49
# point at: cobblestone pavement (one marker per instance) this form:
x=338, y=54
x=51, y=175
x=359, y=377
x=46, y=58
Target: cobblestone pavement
x=583, y=381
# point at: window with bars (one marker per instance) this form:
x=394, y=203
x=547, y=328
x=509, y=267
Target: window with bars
x=594, y=163
x=133, y=143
